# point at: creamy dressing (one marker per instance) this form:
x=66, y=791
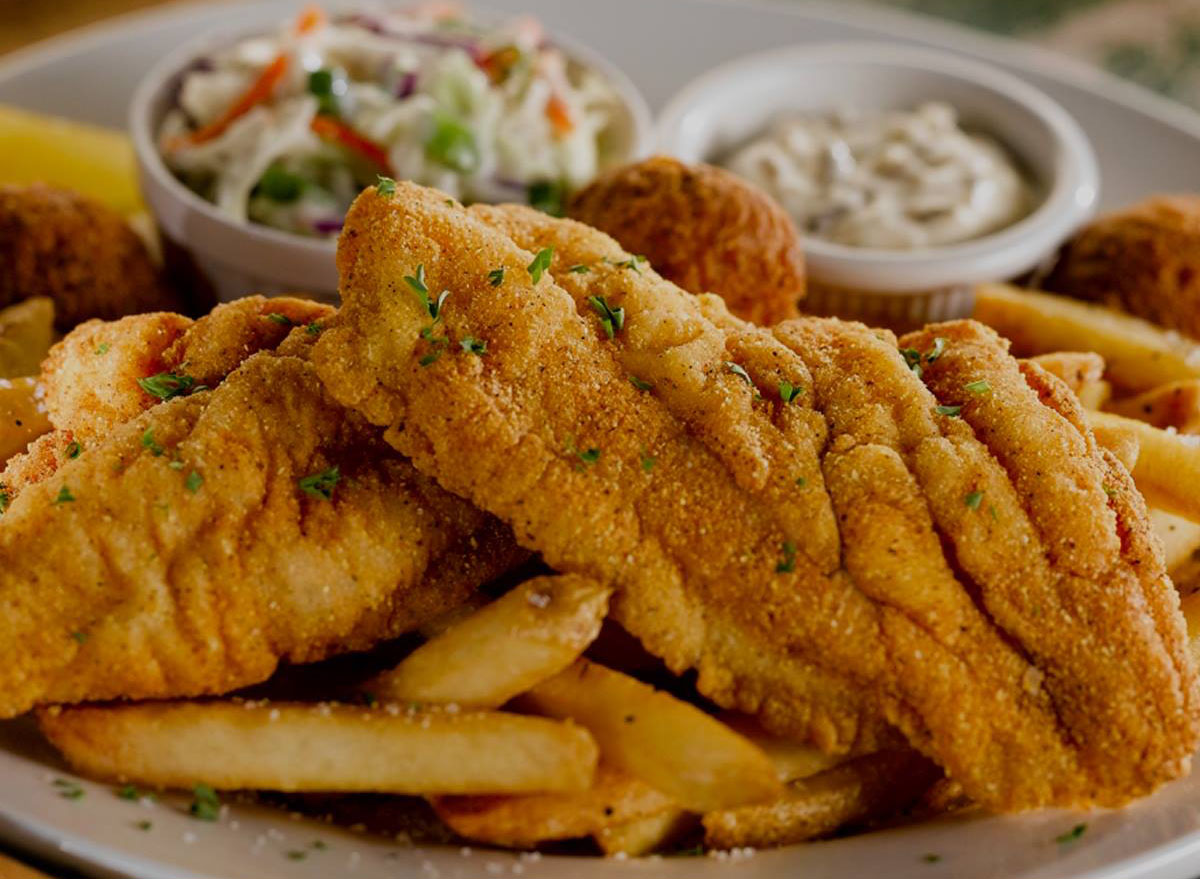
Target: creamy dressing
x=893, y=179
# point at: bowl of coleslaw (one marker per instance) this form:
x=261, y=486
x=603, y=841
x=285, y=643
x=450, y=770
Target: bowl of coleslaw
x=251, y=147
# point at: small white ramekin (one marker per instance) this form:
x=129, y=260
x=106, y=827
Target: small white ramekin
x=238, y=258
x=733, y=103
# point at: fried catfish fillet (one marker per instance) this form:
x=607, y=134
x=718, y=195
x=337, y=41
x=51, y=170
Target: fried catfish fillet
x=215, y=535
x=793, y=513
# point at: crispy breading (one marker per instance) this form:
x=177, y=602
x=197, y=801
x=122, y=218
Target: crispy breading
x=800, y=548
x=704, y=228
x=181, y=554
x=80, y=253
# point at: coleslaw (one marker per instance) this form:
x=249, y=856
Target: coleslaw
x=286, y=129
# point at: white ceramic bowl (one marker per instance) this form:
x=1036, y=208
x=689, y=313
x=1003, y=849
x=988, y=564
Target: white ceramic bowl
x=733, y=103
x=239, y=258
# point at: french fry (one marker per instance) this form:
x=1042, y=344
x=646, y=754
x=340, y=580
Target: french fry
x=1124, y=443
x=1167, y=471
x=1174, y=405
x=694, y=759
x=1190, y=606
x=26, y=334
x=643, y=836
x=792, y=760
x=525, y=821
x=1138, y=354
x=1095, y=395
x=1076, y=368
x=866, y=787
x=1180, y=537
x=293, y=747
x=22, y=417
x=531, y=633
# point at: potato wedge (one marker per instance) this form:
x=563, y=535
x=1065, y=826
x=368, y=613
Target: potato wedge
x=527, y=820
x=295, y=747
x=792, y=760
x=520, y=639
x=644, y=836
x=22, y=416
x=1076, y=368
x=26, y=334
x=1138, y=354
x=1174, y=405
x=693, y=758
x=1167, y=471
x=97, y=162
x=866, y=787
x=1180, y=537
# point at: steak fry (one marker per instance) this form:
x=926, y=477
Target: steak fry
x=210, y=538
x=786, y=513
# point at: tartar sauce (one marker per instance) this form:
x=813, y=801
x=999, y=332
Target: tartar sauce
x=896, y=179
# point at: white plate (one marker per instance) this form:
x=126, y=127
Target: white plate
x=1144, y=144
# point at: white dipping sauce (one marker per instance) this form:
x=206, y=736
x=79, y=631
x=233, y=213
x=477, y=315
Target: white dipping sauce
x=895, y=179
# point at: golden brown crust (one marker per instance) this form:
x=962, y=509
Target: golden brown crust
x=1144, y=259
x=80, y=253
x=704, y=228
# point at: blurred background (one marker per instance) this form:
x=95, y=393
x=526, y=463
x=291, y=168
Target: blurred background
x=1153, y=42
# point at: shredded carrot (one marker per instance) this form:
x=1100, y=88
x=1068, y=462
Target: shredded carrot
x=335, y=130
x=309, y=19
x=559, y=115
x=260, y=90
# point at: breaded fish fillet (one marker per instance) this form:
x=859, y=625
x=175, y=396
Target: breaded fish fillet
x=204, y=541
x=792, y=513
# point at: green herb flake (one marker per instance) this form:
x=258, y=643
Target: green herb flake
x=931, y=858
x=176, y=465
x=319, y=844
x=64, y=496
x=949, y=411
x=73, y=449
x=589, y=456
x=150, y=445
x=102, y=348
x=579, y=269
x=314, y=329
x=471, y=345
x=612, y=320
x=297, y=855
x=788, y=563
x=548, y=196
x=738, y=370
x=320, y=485
x=912, y=359
x=1071, y=835
x=79, y=637
x=801, y=482
x=5, y=500
x=973, y=500
x=144, y=825
x=168, y=385
x=385, y=186
x=193, y=482
x=648, y=461
x=128, y=792
x=939, y=348
x=496, y=277
x=541, y=262
x=634, y=263
x=983, y=386
x=206, y=805
x=281, y=319
x=68, y=789
x=789, y=392
x=640, y=383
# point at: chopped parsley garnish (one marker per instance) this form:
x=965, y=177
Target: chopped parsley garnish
x=144, y=824
x=314, y=328
x=801, y=481
x=297, y=855
x=73, y=449
x=150, y=445
x=611, y=319
x=385, y=186
x=496, y=277
x=648, y=461
x=64, y=496
x=206, y=805
x=80, y=637
x=319, y=844
x=1109, y=490
x=951, y=411
x=931, y=858
x=193, y=482
x=320, y=485
x=417, y=283
x=640, y=383
x=587, y=458
x=5, y=500
x=540, y=263
x=167, y=385
x=788, y=563
x=1071, y=835
x=102, y=348
x=912, y=359
x=69, y=790
x=789, y=391
x=939, y=347
x=176, y=465
x=634, y=262
x=128, y=792
x=738, y=370
x=548, y=196
x=437, y=345
x=579, y=269
x=471, y=345
x=973, y=499
x=452, y=144
x=983, y=386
